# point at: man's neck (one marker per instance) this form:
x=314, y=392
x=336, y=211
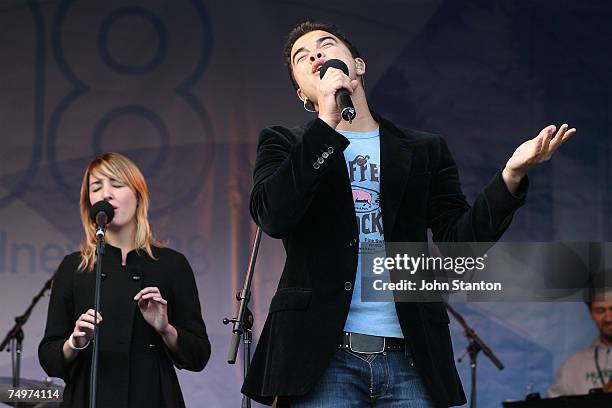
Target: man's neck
x=606, y=342
x=363, y=122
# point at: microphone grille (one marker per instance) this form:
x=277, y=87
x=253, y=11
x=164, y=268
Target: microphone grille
x=334, y=63
x=104, y=207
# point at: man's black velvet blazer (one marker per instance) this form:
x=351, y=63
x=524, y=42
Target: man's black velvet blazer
x=310, y=207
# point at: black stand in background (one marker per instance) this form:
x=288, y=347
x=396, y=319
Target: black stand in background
x=93, y=380
x=15, y=336
x=475, y=346
x=244, y=322
x=14, y=341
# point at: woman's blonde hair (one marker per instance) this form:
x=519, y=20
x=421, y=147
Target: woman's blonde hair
x=116, y=166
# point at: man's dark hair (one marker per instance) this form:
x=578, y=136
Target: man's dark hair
x=304, y=28
x=599, y=285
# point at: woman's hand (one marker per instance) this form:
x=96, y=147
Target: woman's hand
x=154, y=308
x=84, y=328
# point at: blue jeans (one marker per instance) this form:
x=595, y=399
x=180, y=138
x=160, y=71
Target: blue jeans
x=367, y=380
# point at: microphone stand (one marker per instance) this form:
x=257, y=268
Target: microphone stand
x=93, y=379
x=475, y=346
x=15, y=335
x=243, y=324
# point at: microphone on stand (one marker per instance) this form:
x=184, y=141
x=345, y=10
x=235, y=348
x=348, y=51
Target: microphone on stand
x=343, y=98
x=101, y=214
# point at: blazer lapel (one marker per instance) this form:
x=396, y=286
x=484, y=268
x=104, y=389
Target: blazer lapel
x=396, y=159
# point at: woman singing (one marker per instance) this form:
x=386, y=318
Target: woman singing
x=149, y=319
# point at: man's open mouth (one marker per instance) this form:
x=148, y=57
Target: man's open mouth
x=316, y=66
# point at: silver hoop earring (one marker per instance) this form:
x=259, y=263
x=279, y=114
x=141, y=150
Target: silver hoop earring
x=306, y=107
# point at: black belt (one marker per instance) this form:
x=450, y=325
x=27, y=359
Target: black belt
x=363, y=343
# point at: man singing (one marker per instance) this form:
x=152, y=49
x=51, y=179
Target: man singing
x=321, y=346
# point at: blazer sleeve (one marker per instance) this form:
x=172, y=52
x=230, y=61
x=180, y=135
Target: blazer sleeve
x=287, y=174
x=451, y=218
x=60, y=324
x=193, y=346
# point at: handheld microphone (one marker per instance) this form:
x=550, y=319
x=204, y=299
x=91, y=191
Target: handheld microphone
x=101, y=214
x=343, y=98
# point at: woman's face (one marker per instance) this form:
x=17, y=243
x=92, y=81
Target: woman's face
x=118, y=194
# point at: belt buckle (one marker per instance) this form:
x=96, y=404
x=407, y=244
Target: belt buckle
x=375, y=351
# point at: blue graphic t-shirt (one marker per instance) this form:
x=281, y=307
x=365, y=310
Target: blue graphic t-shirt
x=362, y=158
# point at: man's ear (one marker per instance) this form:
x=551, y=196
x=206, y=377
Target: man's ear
x=360, y=66
x=308, y=104
x=300, y=94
